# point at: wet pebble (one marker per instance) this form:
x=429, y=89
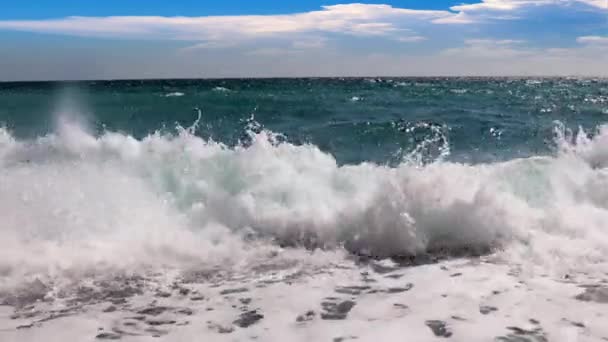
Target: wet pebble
x=185, y=311
x=248, y=318
x=439, y=328
x=484, y=309
x=108, y=336
x=110, y=308
x=405, y=288
x=220, y=329
x=594, y=294
x=233, y=291
x=157, y=322
x=153, y=311
x=335, y=311
x=308, y=316
x=352, y=290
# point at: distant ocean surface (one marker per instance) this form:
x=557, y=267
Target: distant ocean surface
x=354, y=120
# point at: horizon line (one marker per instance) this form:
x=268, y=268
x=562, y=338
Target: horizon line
x=301, y=77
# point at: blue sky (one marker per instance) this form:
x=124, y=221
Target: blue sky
x=19, y=9
x=110, y=39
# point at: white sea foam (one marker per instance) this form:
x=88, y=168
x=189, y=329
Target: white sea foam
x=221, y=89
x=174, y=94
x=73, y=202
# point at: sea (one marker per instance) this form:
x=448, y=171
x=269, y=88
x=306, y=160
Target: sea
x=308, y=209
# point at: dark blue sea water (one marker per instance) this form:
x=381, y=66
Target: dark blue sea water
x=355, y=120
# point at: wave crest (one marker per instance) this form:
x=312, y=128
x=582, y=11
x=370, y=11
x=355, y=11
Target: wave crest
x=71, y=200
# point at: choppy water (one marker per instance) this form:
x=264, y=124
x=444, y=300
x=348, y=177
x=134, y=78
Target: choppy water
x=137, y=174
x=355, y=120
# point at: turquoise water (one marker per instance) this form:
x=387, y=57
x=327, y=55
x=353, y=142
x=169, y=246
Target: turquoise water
x=355, y=120
x=130, y=174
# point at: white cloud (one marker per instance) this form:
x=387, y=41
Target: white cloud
x=269, y=52
x=349, y=19
x=501, y=5
x=593, y=40
x=501, y=9
x=492, y=42
x=509, y=5
x=309, y=43
x=212, y=44
x=356, y=19
x=313, y=43
x=490, y=49
x=410, y=39
x=516, y=57
x=459, y=18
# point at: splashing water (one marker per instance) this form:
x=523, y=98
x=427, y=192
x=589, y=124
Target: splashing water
x=304, y=198
x=72, y=202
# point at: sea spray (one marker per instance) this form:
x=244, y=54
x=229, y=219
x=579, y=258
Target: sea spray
x=71, y=201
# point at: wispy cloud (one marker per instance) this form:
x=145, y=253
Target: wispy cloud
x=309, y=43
x=356, y=19
x=517, y=57
x=509, y=5
x=593, y=40
x=483, y=37
x=492, y=10
x=348, y=19
x=490, y=49
x=410, y=39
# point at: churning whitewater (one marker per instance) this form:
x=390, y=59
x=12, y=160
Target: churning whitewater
x=337, y=220
x=73, y=202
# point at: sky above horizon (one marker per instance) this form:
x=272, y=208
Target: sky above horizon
x=114, y=39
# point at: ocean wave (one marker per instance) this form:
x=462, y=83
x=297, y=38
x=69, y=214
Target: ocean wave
x=72, y=201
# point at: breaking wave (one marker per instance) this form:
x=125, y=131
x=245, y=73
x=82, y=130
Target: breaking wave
x=75, y=202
